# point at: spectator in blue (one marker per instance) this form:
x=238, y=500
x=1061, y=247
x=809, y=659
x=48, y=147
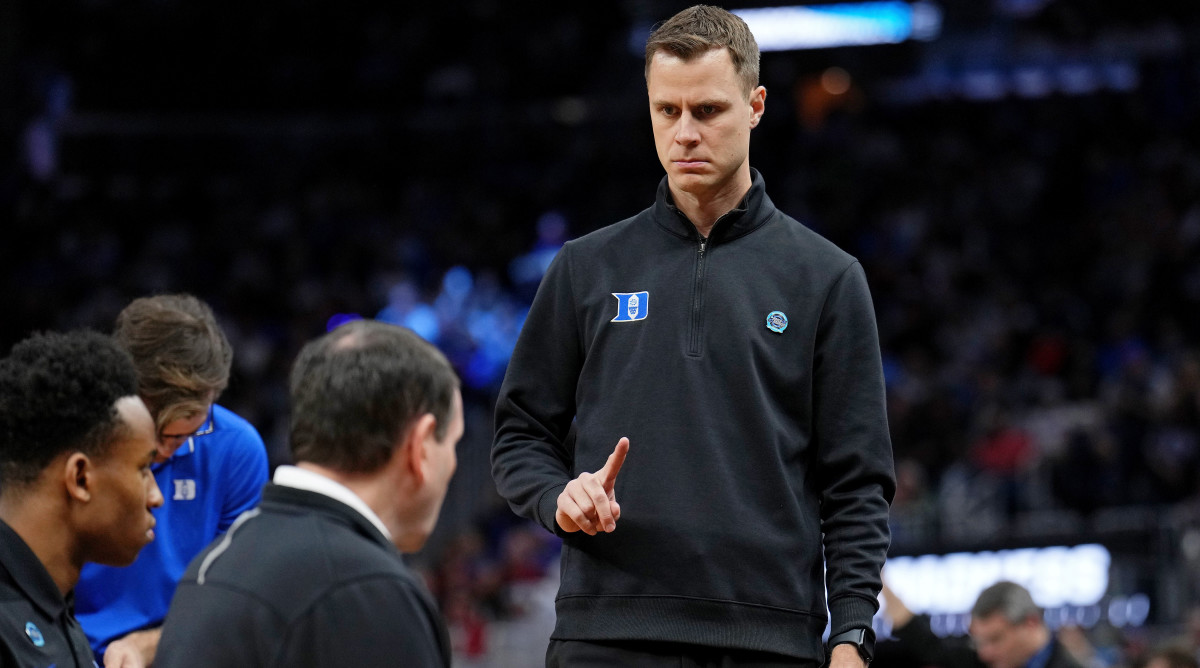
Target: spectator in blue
x=1008, y=630
x=210, y=464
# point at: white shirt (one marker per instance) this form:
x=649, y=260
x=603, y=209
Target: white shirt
x=298, y=478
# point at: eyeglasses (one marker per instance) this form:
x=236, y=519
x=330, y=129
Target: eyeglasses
x=175, y=440
x=178, y=439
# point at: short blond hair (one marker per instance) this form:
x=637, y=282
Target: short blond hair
x=701, y=28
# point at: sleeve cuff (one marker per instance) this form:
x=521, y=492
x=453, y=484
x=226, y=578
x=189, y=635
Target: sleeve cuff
x=851, y=612
x=548, y=508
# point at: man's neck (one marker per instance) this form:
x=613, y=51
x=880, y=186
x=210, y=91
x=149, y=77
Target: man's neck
x=375, y=490
x=704, y=208
x=1039, y=648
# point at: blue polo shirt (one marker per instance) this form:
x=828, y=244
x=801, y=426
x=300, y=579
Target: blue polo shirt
x=216, y=475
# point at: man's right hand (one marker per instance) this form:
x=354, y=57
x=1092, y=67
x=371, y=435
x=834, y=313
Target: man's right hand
x=588, y=503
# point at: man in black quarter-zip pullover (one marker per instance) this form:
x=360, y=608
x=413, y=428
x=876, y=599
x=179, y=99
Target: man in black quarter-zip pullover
x=732, y=354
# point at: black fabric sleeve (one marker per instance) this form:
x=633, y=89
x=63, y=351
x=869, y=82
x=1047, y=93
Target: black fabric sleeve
x=854, y=449
x=532, y=454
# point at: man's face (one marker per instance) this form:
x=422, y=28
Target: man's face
x=1003, y=644
x=176, y=432
x=702, y=116
x=445, y=454
x=123, y=491
x=440, y=464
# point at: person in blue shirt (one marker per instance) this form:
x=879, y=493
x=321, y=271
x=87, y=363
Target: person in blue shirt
x=1009, y=630
x=211, y=466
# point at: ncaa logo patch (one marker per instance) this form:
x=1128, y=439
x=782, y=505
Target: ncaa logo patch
x=632, y=306
x=777, y=321
x=35, y=634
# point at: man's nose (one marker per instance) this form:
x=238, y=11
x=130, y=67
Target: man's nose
x=155, y=498
x=687, y=132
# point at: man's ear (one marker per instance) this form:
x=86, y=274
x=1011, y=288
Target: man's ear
x=758, y=104
x=416, y=445
x=79, y=476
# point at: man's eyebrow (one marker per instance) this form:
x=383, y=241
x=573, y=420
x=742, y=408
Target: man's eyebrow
x=707, y=102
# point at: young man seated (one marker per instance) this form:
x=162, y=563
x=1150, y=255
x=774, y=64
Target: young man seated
x=76, y=444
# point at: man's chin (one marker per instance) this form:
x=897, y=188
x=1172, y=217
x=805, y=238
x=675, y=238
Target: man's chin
x=691, y=182
x=121, y=561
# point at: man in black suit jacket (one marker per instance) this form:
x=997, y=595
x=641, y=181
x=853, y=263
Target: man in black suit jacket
x=313, y=576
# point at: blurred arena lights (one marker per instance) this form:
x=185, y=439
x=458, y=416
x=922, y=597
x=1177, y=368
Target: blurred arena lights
x=1070, y=583
x=843, y=24
x=1055, y=576
x=797, y=27
x=1030, y=81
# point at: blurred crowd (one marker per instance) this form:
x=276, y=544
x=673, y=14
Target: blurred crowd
x=1035, y=263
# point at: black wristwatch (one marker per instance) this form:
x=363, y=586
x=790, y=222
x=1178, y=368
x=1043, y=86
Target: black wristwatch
x=862, y=639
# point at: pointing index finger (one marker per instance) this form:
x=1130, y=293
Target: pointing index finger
x=608, y=474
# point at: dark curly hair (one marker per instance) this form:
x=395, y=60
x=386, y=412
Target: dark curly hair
x=58, y=393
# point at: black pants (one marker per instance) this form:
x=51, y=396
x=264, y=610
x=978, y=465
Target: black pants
x=650, y=654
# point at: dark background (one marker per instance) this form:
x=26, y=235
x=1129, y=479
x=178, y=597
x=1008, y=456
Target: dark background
x=1034, y=256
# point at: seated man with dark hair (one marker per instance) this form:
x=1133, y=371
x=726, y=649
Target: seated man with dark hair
x=76, y=444
x=313, y=576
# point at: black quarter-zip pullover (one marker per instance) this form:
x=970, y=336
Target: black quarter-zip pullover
x=754, y=444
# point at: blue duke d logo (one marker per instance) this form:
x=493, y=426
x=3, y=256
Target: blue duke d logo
x=632, y=306
x=185, y=489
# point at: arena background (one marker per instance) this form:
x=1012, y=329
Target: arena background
x=1023, y=188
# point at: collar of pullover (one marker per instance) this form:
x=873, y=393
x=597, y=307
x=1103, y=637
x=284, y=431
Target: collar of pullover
x=752, y=212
